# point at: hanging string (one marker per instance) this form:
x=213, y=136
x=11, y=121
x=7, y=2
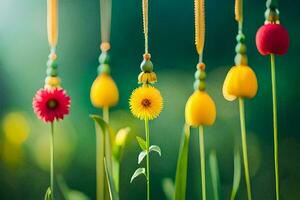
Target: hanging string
x=239, y=14
x=52, y=23
x=199, y=26
x=105, y=20
x=145, y=23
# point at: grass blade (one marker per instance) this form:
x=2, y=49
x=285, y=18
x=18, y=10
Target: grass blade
x=214, y=172
x=236, y=175
x=182, y=164
x=114, y=195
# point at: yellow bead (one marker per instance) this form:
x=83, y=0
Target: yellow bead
x=200, y=109
x=104, y=92
x=240, y=82
x=52, y=81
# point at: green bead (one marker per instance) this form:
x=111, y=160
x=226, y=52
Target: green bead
x=240, y=38
x=104, y=58
x=51, y=72
x=200, y=75
x=103, y=68
x=240, y=48
x=52, y=64
x=199, y=85
x=147, y=66
x=202, y=85
x=241, y=59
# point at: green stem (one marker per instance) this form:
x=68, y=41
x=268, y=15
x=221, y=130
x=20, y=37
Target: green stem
x=244, y=146
x=147, y=157
x=99, y=164
x=202, y=158
x=52, y=161
x=106, y=114
x=275, y=124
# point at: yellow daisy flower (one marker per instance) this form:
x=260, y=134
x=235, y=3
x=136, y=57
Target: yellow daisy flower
x=146, y=102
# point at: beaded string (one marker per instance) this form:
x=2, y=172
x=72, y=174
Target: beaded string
x=200, y=74
x=241, y=60
x=52, y=79
x=147, y=76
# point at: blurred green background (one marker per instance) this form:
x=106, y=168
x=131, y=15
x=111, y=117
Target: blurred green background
x=24, y=140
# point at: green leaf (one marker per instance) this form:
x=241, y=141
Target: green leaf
x=168, y=188
x=214, y=171
x=141, y=142
x=48, y=194
x=155, y=149
x=236, y=175
x=104, y=137
x=114, y=195
x=142, y=156
x=137, y=173
x=182, y=162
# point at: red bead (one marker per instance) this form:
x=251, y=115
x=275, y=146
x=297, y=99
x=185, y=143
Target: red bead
x=272, y=39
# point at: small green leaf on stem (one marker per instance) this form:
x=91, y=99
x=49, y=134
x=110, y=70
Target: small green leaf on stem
x=142, y=156
x=138, y=172
x=142, y=143
x=155, y=149
x=48, y=195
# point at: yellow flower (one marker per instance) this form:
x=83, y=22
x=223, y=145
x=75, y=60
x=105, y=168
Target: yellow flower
x=104, y=92
x=200, y=109
x=146, y=102
x=240, y=82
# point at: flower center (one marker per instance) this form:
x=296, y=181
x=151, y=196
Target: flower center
x=146, y=102
x=52, y=104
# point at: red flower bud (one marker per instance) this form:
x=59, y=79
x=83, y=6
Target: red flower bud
x=272, y=39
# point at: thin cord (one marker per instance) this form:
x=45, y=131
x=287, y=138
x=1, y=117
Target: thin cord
x=105, y=19
x=52, y=22
x=145, y=23
x=239, y=17
x=199, y=25
x=275, y=124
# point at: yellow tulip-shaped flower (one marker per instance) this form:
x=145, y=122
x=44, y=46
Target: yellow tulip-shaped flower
x=104, y=91
x=200, y=109
x=240, y=82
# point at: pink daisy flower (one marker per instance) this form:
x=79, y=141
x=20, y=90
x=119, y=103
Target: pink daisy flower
x=51, y=104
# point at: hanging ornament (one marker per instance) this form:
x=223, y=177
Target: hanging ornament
x=200, y=109
x=273, y=39
x=241, y=83
x=146, y=103
x=51, y=102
